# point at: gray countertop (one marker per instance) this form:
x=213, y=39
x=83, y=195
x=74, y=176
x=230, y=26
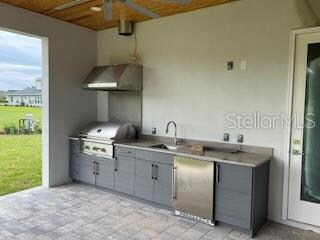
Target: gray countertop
x=73, y=138
x=238, y=158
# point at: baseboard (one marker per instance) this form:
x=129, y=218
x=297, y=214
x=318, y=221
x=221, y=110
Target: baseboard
x=300, y=225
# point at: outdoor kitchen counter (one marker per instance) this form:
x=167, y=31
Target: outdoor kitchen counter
x=238, y=158
x=73, y=138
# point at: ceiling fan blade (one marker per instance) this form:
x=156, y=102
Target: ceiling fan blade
x=107, y=8
x=140, y=9
x=70, y=4
x=177, y=1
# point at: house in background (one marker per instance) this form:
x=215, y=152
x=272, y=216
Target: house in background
x=30, y=96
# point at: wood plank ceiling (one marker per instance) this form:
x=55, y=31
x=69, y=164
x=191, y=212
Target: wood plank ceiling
x=82, y=14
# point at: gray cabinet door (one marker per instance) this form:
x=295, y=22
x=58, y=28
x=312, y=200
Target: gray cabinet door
x=124, y=175
x=163, y=184
x=74, y=161
x=74, y=167
x=233, y=195
x=74, y=147
x=105, y=173
x=87, y=170
x=144, y=180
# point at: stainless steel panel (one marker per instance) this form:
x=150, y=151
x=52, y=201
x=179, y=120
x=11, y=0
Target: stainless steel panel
x=119, y=77
x=193, y=187
x=98, y=149
x=125, y=27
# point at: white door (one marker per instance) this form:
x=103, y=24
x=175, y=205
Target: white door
x=304, y=181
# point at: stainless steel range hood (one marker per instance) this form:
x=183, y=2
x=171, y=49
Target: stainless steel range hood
x=118, y=77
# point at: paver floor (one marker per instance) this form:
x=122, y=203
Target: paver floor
x=77, y=211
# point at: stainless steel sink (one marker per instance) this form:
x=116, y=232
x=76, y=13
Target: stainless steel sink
x=161, y=146
x=174, y=148
x=166, y=147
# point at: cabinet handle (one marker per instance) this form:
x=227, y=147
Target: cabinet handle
x=124, y=151
x=97, y=168
x=156, y=172
x=94, y=168
x=217, y=173
x=174, y=196
x=151, y=169
x=116, y=164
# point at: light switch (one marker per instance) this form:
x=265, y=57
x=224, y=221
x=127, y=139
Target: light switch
x=296, y=141
x=243, y=65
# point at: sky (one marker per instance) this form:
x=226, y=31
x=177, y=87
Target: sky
x=20, y=61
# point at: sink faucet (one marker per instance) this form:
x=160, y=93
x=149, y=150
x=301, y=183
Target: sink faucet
x=175, y=141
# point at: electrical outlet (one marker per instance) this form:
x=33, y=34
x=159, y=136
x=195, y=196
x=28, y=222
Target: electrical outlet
x=230, y=65
x=226, y=137
x=154, y=131
x=240, y=138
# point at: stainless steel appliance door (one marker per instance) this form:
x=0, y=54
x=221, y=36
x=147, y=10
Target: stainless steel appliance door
x=193, y=187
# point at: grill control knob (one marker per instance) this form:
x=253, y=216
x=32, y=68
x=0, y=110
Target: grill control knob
x=95, y=148
x=87, y=147
x=103, y=150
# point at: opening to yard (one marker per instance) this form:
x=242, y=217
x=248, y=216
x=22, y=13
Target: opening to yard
x=20, y=112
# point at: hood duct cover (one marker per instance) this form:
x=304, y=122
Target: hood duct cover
x=125, y=28
x=119, y=77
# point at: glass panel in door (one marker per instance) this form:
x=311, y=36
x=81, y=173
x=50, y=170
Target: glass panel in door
x=310, y=171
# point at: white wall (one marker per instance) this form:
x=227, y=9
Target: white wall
x=315, y=6
x=186, y=80
x=72, y=53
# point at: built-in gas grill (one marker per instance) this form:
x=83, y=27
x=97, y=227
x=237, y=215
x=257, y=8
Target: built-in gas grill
x=98, y=138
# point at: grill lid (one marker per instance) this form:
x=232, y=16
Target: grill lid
x=109, y=131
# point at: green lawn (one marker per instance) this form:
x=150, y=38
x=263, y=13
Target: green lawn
x=11, y=115
x=20, y=155
x=20, y=162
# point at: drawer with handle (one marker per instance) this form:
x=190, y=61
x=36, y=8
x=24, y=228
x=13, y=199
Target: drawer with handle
x=124, y=151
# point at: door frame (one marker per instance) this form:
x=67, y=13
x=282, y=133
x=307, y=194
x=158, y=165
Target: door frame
x=287, y=147
x=45, y=102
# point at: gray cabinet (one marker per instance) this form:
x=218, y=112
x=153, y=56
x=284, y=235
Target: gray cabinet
x=87, y=170
x=241, y=195
x=74, y=166
x=97, y=171
x=144, y=179
x=144, y=174
x=104, y=171
x=90, y=169
x=163, y=184
x=124, y=174
x=74, y=147
x=153, y=177
x=74, y=171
